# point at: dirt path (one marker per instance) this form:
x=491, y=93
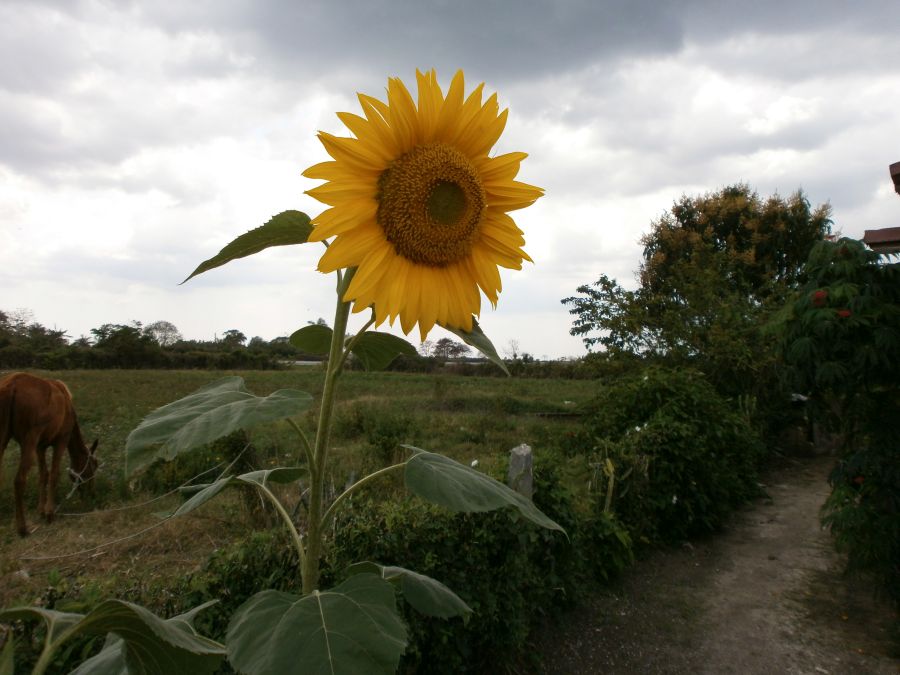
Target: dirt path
x=765, y=596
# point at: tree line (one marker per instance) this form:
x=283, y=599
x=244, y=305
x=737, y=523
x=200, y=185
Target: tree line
x=25, y=343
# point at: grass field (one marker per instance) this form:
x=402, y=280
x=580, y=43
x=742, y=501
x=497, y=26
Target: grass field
x=466, y=418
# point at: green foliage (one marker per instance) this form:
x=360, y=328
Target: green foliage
x=352, y=628
x=476, y=338
x=690, y=457
x=840, y=336
x=209, y=413
x=457, y=487
x=375, y=350
x=233, y=450
x=313, y=339
x=142, y=641
x=863, y=510
x=264, y=559
x=426, y=595
x=511, y=574
x=714, y=269
x=285, y=229
x=841, y=332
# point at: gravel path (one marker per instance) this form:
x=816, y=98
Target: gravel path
x=765, y=596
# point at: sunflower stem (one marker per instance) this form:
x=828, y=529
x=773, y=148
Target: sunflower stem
x=315, y=533
x=352, y=342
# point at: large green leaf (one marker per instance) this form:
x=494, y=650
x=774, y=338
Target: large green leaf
x=353, y=628
x=376, y=350
x=7, y=658
x=204, y=493
x=285, y=229
x=457, y=487
x=209, y=413
x=111, y=660
x=426, y=595
x=476, y=338
x=148, y=644
x=56, y=622
x=281, y=475
x=312, y=339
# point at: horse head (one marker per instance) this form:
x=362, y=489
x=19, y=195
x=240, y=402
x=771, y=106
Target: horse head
x=84, y=466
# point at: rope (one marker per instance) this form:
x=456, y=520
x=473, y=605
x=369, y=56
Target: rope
x=140, y=532
x=149, y=501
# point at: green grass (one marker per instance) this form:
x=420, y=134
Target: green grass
x=464, y=417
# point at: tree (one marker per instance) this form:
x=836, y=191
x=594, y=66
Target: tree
x=126, y=346
x=164, y=333
x=713, y=269
x=512, y=350
x=426, y=349
x=233, y=338
x=445, y=348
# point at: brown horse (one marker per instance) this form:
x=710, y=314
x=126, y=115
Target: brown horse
x=38, y=414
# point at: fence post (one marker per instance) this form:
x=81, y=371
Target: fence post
x=521, y=473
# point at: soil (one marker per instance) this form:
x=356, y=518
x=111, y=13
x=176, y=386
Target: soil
x=766, y=595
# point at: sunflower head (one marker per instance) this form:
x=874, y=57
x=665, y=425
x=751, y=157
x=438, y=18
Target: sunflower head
x=419, y=207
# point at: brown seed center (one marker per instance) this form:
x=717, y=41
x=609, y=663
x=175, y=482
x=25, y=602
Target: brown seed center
x=430, y=203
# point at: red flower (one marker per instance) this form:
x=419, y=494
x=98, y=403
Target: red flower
x=819, y=298
x=844, y=313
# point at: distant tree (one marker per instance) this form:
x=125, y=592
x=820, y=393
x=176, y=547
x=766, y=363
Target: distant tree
x=233, y=338
x=257, y=343
x=19, y=319
x=164, y=333
x=426, y=348
x=512, y=350
x=445, y=348
x=125, y=346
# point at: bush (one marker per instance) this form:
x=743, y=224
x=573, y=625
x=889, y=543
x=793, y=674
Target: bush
x=511, y=573
x=684, y=457
x=840, y=338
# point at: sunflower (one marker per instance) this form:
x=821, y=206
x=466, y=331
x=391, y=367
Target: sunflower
x=418, y=206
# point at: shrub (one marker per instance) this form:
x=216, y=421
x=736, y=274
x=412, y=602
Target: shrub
x=840, y=338
x=686, y=455
x=512, y=574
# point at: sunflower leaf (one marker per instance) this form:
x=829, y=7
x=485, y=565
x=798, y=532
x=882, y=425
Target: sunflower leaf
x=376, y=350
x=426, y=595
x=312, y=339
x=476, y=338
x=112, y=658
x=209, y=413
x=7, y=663
x=285, y=229
x=352, y=628
x=457, y=487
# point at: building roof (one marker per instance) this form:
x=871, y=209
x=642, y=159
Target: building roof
x=886, y=239
x=895, y=176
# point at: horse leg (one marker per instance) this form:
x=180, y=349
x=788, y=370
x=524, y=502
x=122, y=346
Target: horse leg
x=25, y=461
x=42, y=479
x=3, y=443
x=50, y=504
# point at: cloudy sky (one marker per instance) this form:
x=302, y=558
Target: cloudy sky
x=138, y=138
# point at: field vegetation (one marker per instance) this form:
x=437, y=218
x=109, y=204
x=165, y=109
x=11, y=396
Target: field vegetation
x=655, y=439
x=468, y=418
